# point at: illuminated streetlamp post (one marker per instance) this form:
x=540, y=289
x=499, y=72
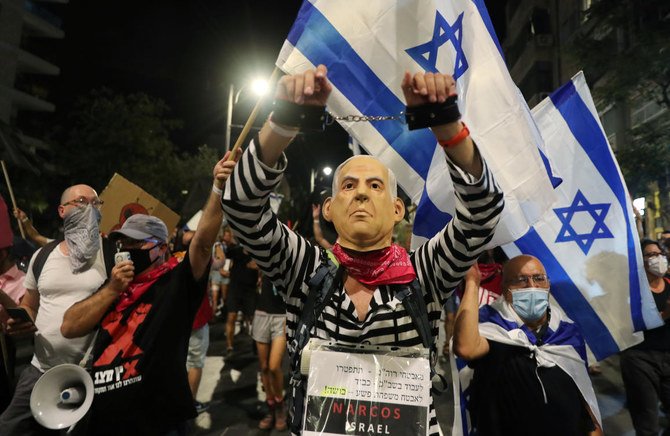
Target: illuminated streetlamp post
x=260, y=87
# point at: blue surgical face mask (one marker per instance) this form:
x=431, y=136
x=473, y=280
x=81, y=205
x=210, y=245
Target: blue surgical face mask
x=530, y=303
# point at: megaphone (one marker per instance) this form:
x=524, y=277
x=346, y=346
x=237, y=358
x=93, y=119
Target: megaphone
x=62, y=396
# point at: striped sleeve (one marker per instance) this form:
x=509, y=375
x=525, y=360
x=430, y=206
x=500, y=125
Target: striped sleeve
x=285, y=257
x=443, y=260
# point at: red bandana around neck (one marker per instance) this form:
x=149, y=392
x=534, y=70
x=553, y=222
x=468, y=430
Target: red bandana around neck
x=390, y=265
x=143, y=282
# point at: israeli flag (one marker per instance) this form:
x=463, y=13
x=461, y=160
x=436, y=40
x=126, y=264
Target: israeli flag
x=588, y=241
x=562, y=346
x=368, y=45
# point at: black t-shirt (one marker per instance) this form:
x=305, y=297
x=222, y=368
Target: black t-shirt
x=269, y=300
x=507, y=396
x=241, y=276
x=139, y=369
x=659, y=338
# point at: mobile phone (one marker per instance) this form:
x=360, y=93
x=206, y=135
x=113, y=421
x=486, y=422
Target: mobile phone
x=121, y=256
x=19, y=313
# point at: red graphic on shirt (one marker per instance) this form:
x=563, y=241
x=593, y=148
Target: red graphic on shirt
x=129, y=369
x=122, y=333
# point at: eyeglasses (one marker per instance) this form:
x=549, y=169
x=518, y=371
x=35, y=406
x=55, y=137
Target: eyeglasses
x=83, y=202
x=538, y=279
x=653, y=254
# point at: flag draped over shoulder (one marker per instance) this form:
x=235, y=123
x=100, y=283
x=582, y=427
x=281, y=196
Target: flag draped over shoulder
x=367, y=46
x=562, y=346
x=588, y=242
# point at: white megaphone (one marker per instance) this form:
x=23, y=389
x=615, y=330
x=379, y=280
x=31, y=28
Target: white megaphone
x=62, y=396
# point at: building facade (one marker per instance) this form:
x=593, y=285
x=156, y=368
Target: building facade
x=539, y=39
x=22, y=24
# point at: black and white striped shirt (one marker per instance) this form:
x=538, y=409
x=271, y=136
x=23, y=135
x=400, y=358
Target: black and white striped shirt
x=289, y=260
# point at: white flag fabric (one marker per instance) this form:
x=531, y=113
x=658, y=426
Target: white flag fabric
x=367, y=46
x=588, y=242
x=562, y=345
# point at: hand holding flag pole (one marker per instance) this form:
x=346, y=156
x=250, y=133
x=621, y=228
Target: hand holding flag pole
x=11, y=195
x=251, y=119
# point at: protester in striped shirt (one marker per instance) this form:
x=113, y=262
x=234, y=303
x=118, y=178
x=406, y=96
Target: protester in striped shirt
x=364, y=209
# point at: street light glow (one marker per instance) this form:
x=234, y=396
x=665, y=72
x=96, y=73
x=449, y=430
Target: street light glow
x=327, y=171
x=260, y=87
x=640, y=204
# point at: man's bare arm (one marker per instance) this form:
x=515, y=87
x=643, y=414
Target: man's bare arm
x=31, y=231
x=468, y=343
x=200, y=249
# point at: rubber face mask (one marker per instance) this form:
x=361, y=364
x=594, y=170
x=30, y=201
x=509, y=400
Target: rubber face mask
x=530, y=303
x=657, y=265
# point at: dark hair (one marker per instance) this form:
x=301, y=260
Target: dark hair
x=645, y=242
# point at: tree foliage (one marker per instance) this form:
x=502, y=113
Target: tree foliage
x=130, y=135
x=624, y=46
x=648, y=161
x=627, y=43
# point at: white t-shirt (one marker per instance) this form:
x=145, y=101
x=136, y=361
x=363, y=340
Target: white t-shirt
x=59, y=289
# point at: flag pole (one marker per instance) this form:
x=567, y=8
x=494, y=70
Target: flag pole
x=252, y=118
x=11, y=195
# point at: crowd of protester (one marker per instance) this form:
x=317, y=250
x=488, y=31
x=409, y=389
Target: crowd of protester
x=144, y=321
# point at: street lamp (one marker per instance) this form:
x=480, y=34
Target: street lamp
x=259, y=87
x=327, y=171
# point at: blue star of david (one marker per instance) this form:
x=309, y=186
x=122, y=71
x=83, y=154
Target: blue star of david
x=426, y=54
x=597, y=211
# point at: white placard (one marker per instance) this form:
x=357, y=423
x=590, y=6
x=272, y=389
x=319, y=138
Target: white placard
x=367, y=394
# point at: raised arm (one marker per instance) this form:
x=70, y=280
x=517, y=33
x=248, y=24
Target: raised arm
x=308, y=89
x=429, y=88
x=284, y=256
x=200, y=249
x=468, y=343
x=31, y=231
x=444, y=259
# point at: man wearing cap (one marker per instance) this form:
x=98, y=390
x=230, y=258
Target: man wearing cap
x=145, y=313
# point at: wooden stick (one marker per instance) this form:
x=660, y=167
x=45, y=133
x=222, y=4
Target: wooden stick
x=251, y=120
x=11, y=195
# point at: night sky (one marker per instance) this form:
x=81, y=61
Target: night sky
x=185, y=52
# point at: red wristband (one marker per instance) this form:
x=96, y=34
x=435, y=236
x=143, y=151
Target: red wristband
x=457, y=138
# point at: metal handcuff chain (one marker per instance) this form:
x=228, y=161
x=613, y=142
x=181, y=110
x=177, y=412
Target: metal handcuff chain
x=330, y=118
